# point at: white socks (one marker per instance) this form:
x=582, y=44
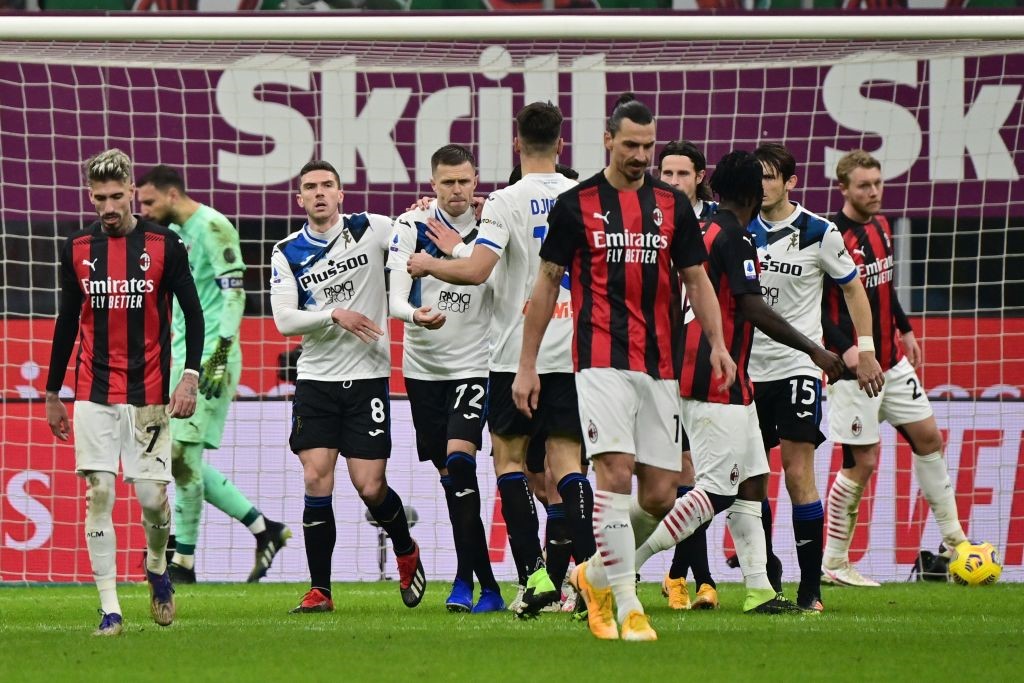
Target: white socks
x=842, y=508
x=100, y=539
x=156, y=520
x=643, y=522
x=685, y=517
x=933, y=479
x=744, y=519
x=616, y=549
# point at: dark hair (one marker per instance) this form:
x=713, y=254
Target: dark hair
x=451, y=155
x=517, y=173
x=319, y=165
x=685, y=148
x=628, y=107
x=737, y=179
x=162, y=178
x=538, y=126
x=776, y=156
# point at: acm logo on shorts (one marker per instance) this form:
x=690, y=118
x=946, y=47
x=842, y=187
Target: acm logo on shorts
x=857, y=426
x=592, y=432
x=734, y=474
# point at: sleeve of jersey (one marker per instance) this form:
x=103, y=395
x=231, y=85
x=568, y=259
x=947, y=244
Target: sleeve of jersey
x=225, y=255
x=834, y=335
x=494, y=222
x=738, y=259
x=66, y=328
x=184, y=288
x=284, y=302
x=902, y=321
x=836, y=260
x=562, y=241
x=687, y=246
x=403, y=243
x=382, y=226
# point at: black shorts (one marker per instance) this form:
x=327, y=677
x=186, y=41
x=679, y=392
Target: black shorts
x=789, y=409
x=443, y=410
x=557, y=411
x=353, y=416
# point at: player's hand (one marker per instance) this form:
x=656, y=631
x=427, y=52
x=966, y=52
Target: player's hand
x=358, y=324
x=911, y=349
x=869, y=374
x=829, y=362
x=424, y=318
x=851, y=358
x=723, y=367
x=419, y=264
x=213, y=375
x=478, y=206
x=57, y=417
x=526, y=391
x=183, y=399
x=442, y=236
x=421, y=204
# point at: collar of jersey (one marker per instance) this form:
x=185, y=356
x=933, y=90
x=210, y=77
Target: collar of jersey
x=786, y=222
x=314, y=237
x=460, y=224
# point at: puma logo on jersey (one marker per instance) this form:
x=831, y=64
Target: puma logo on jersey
x=376, y=432
x=860, y=252
x=602, y=216
x=91, y=264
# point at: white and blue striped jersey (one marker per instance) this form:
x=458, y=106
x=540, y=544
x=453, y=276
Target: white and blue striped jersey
x=513, y=225
x=705, y=209
x=796, y=254
x=313, y=273
x=458, y=349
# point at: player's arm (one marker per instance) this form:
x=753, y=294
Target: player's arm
x=708, y=312
x=473, y=270
x=64, y=333
x=402, y=245
x=910, y=346
x=766, y=319
x=225, y=252
x=526, y=386
x=183, y=396
x=869, y=372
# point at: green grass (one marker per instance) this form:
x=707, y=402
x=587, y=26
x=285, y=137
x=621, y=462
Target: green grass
x=230, y=632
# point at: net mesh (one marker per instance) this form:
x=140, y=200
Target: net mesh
x=239, y=120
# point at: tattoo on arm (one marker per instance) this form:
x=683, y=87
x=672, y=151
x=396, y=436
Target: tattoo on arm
x=552, y=271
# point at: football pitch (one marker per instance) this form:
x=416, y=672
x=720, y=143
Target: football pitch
x=228, y=632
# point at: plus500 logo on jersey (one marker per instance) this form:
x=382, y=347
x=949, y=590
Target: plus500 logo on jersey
x=333, y=268
x=456, y=302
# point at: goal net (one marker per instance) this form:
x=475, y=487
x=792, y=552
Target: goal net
x=240, y=114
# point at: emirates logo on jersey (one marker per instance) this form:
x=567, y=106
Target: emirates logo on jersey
x=657, y=216
x=592, y=432
x=145, y=262
x=857, y=426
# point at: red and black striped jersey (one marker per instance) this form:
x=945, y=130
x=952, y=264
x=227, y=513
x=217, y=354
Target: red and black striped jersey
x=733, y=269
x=120, y=289
x=870, y=245
x=622, y=249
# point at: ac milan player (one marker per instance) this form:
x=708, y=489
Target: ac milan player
x=853, y=415
x=118, y=277
x=623, y=236
x=728, y=452
x=683, y=166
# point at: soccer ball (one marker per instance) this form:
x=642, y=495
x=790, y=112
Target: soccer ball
x=975, y=564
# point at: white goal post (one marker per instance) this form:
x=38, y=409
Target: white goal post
x=240, y=103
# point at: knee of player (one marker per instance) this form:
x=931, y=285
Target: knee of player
x=930, y=442
x=372, y=491
x=152, y=495
x=657, y=503
x=99, y=495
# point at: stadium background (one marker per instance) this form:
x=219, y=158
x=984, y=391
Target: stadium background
x=240, y=123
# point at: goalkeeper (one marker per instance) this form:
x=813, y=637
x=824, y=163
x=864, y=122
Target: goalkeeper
x=215, y=259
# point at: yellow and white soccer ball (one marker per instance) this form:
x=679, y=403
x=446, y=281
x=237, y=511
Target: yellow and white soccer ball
x=975, y=564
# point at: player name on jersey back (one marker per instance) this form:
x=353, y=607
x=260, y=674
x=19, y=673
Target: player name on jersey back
x=513, y=225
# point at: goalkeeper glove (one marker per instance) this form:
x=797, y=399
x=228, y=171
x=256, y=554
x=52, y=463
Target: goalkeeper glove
x=213, y=375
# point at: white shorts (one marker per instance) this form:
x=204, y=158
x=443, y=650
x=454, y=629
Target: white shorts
x=137, y=437
x=853, y=416
x=726, y=444
x=622, y=411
